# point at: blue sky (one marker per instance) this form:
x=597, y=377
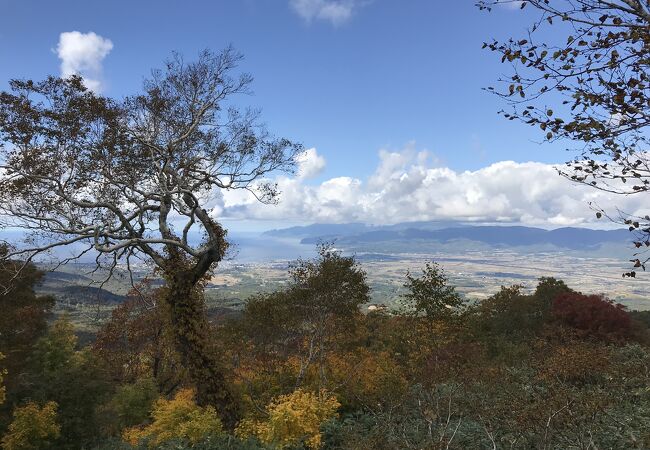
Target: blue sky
x=369, y=84
x=391, y=73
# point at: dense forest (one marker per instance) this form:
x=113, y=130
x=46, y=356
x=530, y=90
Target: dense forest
x=306, y=369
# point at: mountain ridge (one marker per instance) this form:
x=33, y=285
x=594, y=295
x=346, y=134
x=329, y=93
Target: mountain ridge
x=574, y=238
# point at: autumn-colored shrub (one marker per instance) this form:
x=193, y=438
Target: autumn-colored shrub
x=458, y=361
x=293, y=419
x=136, y=341
x=593, y=315
x=32, y=428
x=575, y=362
x=178, y=418
x=367, y=378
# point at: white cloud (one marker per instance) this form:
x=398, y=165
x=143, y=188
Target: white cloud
x=406, y=186
x=310, y=164
x=82, y=54
x=511, y=4
x=334, y=11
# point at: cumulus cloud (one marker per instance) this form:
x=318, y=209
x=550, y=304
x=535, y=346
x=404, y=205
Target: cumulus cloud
x=83, y=54
x=408, y=186
x=310, y=164
x=334, y=11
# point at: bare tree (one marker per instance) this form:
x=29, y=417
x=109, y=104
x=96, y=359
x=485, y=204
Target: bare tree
x=594, y=69
x=132, y=179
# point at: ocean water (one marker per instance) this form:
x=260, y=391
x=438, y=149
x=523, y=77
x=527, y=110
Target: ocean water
x=247, y=247
x=258, y=248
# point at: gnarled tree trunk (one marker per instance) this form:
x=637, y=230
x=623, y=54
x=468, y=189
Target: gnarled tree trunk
x=191, y=332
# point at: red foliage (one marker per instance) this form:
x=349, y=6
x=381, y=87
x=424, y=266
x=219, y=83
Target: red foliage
x=593, y=315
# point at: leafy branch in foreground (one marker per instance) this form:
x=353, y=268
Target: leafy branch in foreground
x=597, y=77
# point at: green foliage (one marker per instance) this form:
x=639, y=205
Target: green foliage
x=57, y=349
x=33, y=428
x=74, y=379
x=503, y=373
x=513, y=315
x=422, y=419
x=22, y=322
x=332, y=284
x=129, y=406
x=642, y=318
x=327, y=291
x=548, y=289
x=508, y=313
x=430, y=294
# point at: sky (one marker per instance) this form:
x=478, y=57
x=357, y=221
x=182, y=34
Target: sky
x=387, y=97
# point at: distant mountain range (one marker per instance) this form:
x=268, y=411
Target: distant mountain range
x=347, y=229
x=355, y=234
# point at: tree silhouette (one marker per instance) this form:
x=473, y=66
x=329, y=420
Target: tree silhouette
x=596, y=77
x=133, y=179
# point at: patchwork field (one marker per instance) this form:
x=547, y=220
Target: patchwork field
x=88, y=299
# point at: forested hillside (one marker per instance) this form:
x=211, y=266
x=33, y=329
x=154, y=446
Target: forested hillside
x=555, y=369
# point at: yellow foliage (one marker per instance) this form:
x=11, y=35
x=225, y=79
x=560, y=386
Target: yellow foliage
x=179, y=418
x=33, y=428
x=293, y=419
x=369, y=378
